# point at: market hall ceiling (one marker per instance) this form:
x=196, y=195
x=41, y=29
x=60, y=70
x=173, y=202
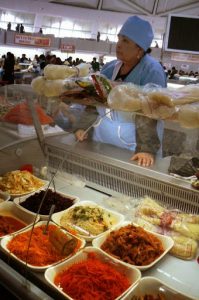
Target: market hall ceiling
x=160, y=8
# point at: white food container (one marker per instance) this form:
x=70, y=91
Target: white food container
x=8, y=208
x=5, y=241
x=153, y=286
x=117, y=218
x=4, y=196
x=19, y=200
x=45, y=183
x=167, y=244
x=132, y=274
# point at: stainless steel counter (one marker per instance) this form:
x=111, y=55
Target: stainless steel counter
x=109, y=168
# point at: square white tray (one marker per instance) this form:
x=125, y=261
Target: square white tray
x=5, y=241
x=152, y=286
x=21, y=199
x=132, y=274
x=118, y=218
x=166, y=241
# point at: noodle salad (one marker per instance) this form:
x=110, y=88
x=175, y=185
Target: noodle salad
x=92, y=219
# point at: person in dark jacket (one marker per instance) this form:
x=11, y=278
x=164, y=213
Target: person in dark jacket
x=21, y=28
x=17, y=27
x=98, y=36
x=9, y=26
x=8, y=68
x=95, y=65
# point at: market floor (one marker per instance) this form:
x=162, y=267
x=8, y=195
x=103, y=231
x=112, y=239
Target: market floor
x=6, y=295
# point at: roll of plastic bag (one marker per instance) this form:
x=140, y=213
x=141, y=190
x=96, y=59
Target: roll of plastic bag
x=48, y=88
x=38, y=84
x=188, y=115
x=188, y=94
x=53, y=88
x=53, y=72
x=125, y=97
x=166, y=97
x=154, y=109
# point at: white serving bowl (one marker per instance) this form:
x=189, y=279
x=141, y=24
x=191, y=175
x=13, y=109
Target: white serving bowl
x=8, y=208
x=31, y=189
x=132, y=274
x=4, y=243
x=151, y=285
x=167, y=244
x=19, y=200
x=4, y=196
x=117, y=218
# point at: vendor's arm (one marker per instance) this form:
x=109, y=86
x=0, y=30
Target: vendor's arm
x=147, y=140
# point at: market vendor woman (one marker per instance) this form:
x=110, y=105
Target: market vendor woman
x=124, y=129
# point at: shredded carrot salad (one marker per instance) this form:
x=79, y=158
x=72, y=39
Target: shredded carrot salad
x=133, y=245
x=21, y=114
x=41, y=252
x=9, y=225
x=92, y=279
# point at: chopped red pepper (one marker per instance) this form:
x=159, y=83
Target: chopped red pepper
x=27, y=167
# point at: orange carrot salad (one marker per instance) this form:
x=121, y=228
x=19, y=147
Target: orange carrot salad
x=92, y=279
x=9, y=225
x=41, y=252
x=21, y=114
x=133, y=245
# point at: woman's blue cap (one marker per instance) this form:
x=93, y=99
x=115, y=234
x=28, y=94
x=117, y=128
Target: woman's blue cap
x=139, y=31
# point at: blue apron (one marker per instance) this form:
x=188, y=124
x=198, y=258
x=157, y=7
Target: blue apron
x=115, y=133
x=116, y=128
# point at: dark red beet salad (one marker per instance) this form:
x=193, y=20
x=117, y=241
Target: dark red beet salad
x=33, y=202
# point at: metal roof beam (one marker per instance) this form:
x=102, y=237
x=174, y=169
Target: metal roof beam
x=137, y=7
x=100, y=4
x=179, y=9
x=155, y=7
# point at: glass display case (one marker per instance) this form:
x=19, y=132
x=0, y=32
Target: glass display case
x=41, y=131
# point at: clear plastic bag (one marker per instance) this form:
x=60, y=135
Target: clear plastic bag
x=48, y=88
x=125, y=97
x=58, y=79
x=182, y=227
x=158, y=103
x=54, y=72
x=188, y=115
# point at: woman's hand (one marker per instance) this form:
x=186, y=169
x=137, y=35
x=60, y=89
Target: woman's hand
x=81, y=135
x=144, y=159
